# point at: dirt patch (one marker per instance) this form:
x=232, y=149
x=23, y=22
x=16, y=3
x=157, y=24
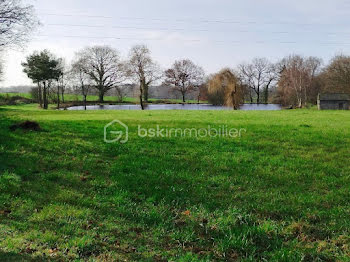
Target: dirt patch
x=27, y=125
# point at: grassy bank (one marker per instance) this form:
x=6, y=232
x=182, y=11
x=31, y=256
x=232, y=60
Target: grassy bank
x=70, y=98
x=279, y=193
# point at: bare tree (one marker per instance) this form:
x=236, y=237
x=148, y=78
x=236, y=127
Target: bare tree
x=184, y=77
x=337, y=75
x=246, y=74
x=17, y=21
x=297, y=77
x=104, y=67
x=121, y=92
x=143, y=69
x=258, y=76
x=80, y=79
x=63, y=81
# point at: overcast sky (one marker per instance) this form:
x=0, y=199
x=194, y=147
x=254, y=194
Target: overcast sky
x=212, y=33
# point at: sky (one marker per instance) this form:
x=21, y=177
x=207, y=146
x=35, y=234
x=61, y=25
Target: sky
x=212, y=33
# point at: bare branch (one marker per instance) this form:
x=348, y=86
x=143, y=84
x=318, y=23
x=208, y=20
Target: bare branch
x=17, y=21
x=103, y=66
x=184, y=77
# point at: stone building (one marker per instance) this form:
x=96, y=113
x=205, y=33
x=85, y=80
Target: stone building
x=333, y=101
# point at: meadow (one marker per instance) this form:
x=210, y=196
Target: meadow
x=93, y=99
x=278, y=193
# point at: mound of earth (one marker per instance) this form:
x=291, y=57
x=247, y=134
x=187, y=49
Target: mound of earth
x=27, y=125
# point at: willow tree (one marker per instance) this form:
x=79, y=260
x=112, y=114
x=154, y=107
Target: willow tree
x=223, y=89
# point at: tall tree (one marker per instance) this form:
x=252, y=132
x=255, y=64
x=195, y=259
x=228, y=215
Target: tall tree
x=297, y=78
x=17, y=21
x=143, y=69
x=80, y=79
x=337, y=75
x=224, y=89
x=258, y=75
x=184, y=77
x=104, y=67
x=63, y=80
x=43, y=68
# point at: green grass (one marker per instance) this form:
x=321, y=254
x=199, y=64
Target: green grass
x=26, y=95
x=279, y=193
x=92, y=98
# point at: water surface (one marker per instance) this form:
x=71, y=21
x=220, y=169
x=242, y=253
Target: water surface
x=244, y=107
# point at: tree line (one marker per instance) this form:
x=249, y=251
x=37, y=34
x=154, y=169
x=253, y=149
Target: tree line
x=102, y=69
x=294, y=81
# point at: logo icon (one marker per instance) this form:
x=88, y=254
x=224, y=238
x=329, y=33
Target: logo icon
x=116, y=131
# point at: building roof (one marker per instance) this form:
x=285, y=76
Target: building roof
x=334, y=97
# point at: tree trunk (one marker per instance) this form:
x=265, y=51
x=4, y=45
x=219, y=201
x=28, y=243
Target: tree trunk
x=101, y=96
x=40, y=95
x=145, y=93
x=58, y=97
x=62, y=94
x=258, y=98
x=233, y=101
x=266, y=95
x=250, y=96
x=85, y=102
x=142, y=85
x=305, y=97
x=141, y=99
x=300, y=102
x=183, y=98
x=45, y=96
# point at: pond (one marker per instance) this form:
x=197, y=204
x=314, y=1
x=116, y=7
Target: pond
x=245, y=107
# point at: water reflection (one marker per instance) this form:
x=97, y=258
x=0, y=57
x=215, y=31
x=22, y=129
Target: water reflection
x=245, y=107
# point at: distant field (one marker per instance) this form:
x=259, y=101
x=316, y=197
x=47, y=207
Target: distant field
x=91, y=98
x=279, y=193
x=26, y=95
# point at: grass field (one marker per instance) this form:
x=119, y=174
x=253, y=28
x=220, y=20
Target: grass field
x=92, y=98
x=279, y=193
